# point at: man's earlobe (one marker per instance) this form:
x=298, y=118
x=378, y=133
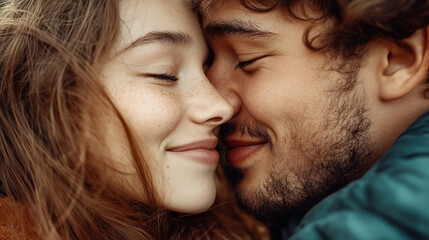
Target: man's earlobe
x=407, y=65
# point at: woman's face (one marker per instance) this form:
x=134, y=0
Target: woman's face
x=156, y=79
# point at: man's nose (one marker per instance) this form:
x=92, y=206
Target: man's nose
x=227, y=86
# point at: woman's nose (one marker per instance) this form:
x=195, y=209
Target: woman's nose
x=209, y=107
x=226, y=86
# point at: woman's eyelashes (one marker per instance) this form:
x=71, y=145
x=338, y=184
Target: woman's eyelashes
x=164, y=77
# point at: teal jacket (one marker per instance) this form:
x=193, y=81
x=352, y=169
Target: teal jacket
x=391, y=201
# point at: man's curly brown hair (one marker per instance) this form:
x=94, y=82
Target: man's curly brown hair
x=354, y=23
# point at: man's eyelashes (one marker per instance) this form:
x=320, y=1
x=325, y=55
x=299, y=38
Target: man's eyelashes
x=248, y=63
x=244, y=64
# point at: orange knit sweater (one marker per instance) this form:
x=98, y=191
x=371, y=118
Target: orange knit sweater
x=15, y=222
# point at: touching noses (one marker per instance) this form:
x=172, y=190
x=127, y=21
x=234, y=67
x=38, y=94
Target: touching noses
x=210, y=107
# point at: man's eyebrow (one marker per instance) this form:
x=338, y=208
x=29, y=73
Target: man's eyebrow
x=237, y=28
x=163, y=37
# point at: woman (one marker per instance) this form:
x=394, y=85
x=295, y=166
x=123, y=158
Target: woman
x=108, y=124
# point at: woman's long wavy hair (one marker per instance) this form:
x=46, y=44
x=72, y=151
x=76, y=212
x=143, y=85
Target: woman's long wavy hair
x=51, y=144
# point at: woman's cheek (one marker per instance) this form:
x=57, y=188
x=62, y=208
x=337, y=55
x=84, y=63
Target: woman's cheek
x=153, y=115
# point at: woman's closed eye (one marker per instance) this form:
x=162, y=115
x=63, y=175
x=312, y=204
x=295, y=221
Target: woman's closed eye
x=164, y=77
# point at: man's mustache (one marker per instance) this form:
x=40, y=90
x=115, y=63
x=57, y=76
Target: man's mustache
x=245, y=128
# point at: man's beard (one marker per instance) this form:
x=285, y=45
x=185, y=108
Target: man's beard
x=332, y=155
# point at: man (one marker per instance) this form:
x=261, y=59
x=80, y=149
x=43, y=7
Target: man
x=321, y=90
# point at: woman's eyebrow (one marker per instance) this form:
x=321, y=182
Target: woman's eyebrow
x=161, y=37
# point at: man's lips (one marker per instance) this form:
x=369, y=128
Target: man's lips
x=201, y=151
x=239, y=150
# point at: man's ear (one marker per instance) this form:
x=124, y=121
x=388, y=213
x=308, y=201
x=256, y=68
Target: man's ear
x=406, y=65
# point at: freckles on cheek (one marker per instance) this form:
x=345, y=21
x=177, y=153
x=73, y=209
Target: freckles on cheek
x=158, y=113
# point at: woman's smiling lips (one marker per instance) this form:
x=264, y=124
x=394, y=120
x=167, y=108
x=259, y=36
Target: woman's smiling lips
x=240, y=150
x=201, y=151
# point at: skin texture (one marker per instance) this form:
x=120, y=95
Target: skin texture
x=158, y=85
x=297, y=135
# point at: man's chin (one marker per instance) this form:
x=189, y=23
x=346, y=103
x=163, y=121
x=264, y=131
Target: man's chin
x=269, y=201
x=260, y=206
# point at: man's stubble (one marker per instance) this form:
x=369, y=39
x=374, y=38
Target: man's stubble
x=331, y=155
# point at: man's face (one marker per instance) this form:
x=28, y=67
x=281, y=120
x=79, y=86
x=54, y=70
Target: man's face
x=297, y=133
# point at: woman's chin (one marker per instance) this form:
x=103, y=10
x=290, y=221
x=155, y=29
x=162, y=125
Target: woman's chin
x=192, y=201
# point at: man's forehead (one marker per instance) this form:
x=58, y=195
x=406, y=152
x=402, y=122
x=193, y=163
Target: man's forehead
x=223, y=10
x=235, y=11
x=231, y=18
x=235, y=27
